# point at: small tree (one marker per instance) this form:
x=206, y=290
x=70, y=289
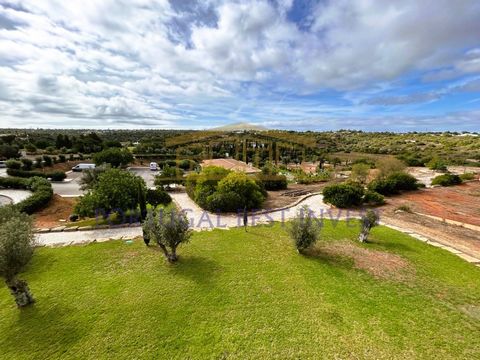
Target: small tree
x=360, y=173
x=90, y=176
x=114, y=156
x=168, y=228
x=368, y=221
x=304, y=229
x=17, y=243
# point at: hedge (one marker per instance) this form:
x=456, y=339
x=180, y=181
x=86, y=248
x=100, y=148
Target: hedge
x=54, y=175
x=39, y=186
x=344, y=195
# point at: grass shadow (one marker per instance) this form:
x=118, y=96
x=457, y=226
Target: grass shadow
x=40, y=327
x=196, y=268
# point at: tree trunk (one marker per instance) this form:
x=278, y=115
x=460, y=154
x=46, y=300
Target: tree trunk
x=173, y=255
x=20, y=291
x=364, y=234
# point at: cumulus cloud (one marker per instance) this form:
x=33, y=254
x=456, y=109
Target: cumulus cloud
x=193, y=63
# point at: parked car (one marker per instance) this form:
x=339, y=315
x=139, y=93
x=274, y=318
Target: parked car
x=153, y=166
x=81, y=167
x=3, y=164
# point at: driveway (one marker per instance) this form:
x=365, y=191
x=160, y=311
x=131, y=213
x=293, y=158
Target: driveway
x=70, y=187
x=146, y=174
x=3, y=172
x=15, y=196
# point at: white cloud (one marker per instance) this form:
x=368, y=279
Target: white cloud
x=114, y=60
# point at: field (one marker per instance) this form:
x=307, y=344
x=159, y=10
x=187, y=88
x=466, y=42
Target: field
x=248, y=295
x=459, y=203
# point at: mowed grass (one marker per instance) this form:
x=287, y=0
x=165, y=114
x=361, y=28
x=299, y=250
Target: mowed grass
x=247, y=295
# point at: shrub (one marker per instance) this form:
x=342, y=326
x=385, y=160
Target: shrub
x=47, y=160
x=57, y=175
x=224, y=202
x=30, y=148
x=344, y=195
x=467, y=176
x=373, y=198
x=115, y=190
x=114, y=156
x=90, y=176
x=304, y=229
x=360, y=172
x=42, y=193
x=249, y=193
x=73, y=217
x=38, y=162
x=169, y=175
x=389, y=166
x=27, y=164
x=157, y=197
x=272, y=182
x=447, y=180
x=437, y=164
x=62, y=158
x=54, y=175
x=13, y=164
x=394, y=183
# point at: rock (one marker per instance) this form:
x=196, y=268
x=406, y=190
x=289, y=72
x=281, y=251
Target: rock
x=42, y=231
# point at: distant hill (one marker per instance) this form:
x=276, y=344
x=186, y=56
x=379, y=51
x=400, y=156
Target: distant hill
x=241, y=126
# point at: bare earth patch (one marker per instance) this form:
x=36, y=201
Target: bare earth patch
x=380, y=264
x=59, y=208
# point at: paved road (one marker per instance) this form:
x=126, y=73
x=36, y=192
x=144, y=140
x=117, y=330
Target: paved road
x=3, y=172
x=69, y=188
x=15, y=195
x=146, y=174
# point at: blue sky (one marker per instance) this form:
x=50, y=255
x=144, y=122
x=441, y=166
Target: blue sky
x=394, y=65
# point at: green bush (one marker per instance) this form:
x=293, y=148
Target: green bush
x=169, y=175
x=54, y=175
x=115, y=190
x=394, y=183
x=272, y=182
x=246, y=190
x=447, y=180
x=304, y=229
x=467, y=176
x=27, y=164
x=40, y=187
x=344, y=195
x=437, y=164
x=157, y=197
x=47, y=160
x=373, y=198
x=114, y=156
x=13, y=164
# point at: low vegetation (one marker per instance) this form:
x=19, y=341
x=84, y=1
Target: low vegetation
x=447, y=180
x=40, y=187
x=245, y=295
x=115, y=191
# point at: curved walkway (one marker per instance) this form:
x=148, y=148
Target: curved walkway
x=203, y=220
x=15, y=195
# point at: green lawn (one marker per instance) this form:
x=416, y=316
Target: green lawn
x=247, y=295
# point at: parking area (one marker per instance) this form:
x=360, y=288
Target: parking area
x=70, y=187
x=146, y=174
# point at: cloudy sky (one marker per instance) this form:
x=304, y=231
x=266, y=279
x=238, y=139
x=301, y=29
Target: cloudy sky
x=399, y=65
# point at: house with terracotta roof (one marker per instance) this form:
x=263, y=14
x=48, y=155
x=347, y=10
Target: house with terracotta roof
x=231, y=164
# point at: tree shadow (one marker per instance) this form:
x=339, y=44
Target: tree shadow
x=43, y=325
x=198, y=269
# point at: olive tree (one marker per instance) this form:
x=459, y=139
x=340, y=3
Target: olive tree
x=168, y=228
x=17, y=243
x=368, y=221
x=304, y=229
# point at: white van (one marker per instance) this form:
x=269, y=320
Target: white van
x=81, y=167
x=153, y=166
